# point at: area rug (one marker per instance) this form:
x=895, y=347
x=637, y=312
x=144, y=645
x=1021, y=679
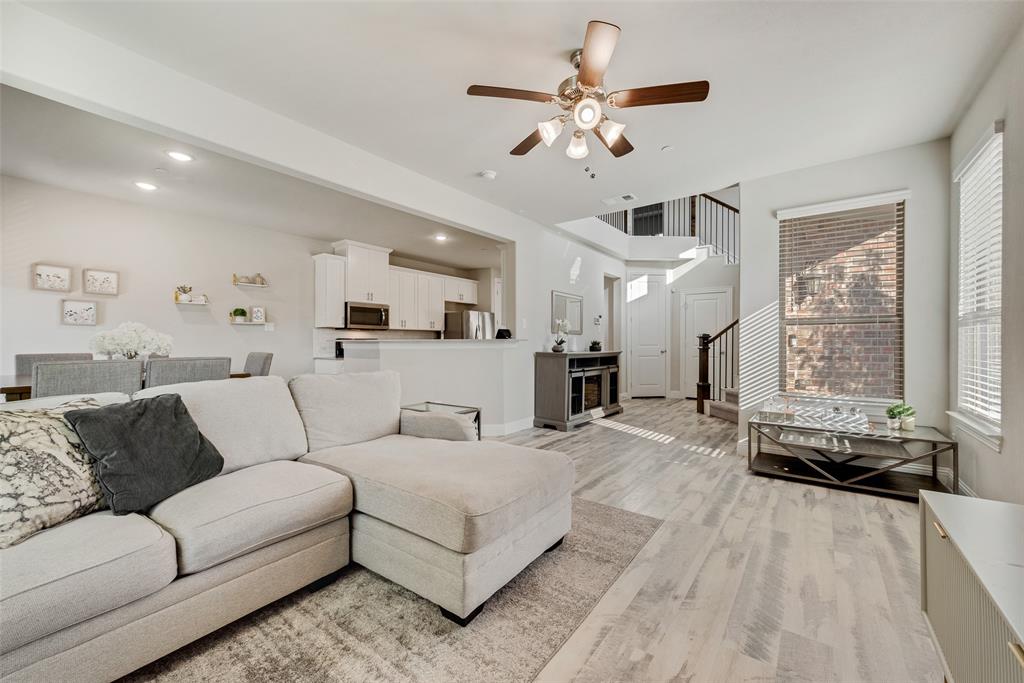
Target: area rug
x=363, y=627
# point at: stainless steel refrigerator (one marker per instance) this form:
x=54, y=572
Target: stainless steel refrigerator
x=469, y=325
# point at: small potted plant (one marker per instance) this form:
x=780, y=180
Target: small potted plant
x=908, y=420
x=893, y=415
x=595, y=345
x=238, y=315
x=561, y=329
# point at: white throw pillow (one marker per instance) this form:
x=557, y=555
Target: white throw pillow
x=46, y=477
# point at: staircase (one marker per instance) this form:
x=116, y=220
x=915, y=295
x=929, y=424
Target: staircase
x=717, y=373
x=727, y=409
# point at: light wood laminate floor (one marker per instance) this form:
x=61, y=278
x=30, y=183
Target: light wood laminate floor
x=748, y=578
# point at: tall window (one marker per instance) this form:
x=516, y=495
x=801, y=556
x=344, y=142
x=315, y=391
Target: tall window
x=979, y=359
x=841, y=301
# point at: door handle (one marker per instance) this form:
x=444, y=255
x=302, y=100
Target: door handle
x=1017, y=651
x=942, y=532
x=663, y=350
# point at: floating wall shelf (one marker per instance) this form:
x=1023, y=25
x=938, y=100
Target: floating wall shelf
x=247, y=323
x=239, y=283
x=192, y=303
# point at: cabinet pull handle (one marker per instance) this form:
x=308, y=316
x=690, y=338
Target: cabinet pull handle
x=942, y=532
x=1018, y=652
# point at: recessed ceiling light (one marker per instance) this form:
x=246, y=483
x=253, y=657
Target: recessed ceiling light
x=667, y=148
x=180, y=156
x=143, y=185
x=488, y=174
x=440, y=237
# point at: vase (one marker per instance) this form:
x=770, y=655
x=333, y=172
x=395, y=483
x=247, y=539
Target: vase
x=893, y=422
x=239, y=318
x=558, y=348
x=908, y=423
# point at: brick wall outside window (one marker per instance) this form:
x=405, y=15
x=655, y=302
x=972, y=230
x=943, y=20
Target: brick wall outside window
x=841, y=301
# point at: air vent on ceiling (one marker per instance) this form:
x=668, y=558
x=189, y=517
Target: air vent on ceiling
x=619, y=199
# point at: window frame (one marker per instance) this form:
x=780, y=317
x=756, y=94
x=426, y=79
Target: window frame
x=872, y=406
x=982, y=427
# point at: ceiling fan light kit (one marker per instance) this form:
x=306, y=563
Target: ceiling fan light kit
x=577, y=148
x=583, y=94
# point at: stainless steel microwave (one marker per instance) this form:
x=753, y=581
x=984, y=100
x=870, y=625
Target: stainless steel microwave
x=366, y=316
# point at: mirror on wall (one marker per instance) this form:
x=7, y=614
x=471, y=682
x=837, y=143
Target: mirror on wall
x=567, y=307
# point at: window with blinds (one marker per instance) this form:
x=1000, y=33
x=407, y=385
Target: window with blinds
x=841, y=301
x=979, y=316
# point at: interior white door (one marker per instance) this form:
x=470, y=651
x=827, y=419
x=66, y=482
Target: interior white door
x=648, y=370
x=703, y=313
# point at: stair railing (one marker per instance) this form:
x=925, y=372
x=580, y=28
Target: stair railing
x=717, y=363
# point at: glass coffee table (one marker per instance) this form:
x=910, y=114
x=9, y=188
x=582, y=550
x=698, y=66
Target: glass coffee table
x=435, y=407
x=849, y=452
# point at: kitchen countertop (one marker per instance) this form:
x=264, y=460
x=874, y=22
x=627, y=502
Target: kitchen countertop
x=434, y=341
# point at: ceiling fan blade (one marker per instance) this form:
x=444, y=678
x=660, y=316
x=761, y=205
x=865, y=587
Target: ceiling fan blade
x=598, y=46
x=526, y=145
x=510, y=93
x=621, y=146
x=694, y=91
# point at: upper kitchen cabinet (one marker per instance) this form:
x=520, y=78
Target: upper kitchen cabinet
x=430, y=299
x=367, y=275
x=417, y=300
x=460, y=290
x=329, y=290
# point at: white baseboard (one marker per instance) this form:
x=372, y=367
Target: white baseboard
x=506, y=428
x=676, y=394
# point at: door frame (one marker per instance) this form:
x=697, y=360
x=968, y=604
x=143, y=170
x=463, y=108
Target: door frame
x=667, y=312
x=683, y=293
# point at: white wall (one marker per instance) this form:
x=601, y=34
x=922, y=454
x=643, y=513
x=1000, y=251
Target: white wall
x=924, y=170
x=154, y=250
x=991, y=474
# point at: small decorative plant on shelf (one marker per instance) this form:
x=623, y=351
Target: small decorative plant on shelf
x=239, y=315
x=131, y=340
x=595, y=345
x=183, y=294
x=561, y=330
x=900, y=416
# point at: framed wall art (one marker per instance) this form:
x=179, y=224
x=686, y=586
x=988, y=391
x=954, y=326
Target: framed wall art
x=75, y=312
x=95, y=281
x=51, y=278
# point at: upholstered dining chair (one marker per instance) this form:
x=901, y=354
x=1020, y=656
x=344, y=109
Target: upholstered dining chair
x=160, y=371
x=23, y=362
x=257, y=363
x=61, y=378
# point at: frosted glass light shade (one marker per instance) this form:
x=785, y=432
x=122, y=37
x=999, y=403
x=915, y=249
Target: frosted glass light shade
x=577, y=146
x=550, y=130
x=611, y=130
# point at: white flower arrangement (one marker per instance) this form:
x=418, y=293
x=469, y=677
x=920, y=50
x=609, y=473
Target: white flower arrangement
x=561, y=330
x=130, y=340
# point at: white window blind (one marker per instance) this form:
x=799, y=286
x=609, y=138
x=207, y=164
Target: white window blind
x=979, y=319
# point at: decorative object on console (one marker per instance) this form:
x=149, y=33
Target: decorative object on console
x=47, y=474
x=561, y=327
x=131, y=340
x=104, y=282
x=51, y=278
x=145, y=451
x=503, y=333
x=74, y=312
x=900, y=416
x=239, y=315
x=595, y=345
x=256, y=280
x=258, y=314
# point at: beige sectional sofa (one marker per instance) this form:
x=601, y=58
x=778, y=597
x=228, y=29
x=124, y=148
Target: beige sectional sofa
x=315, y=473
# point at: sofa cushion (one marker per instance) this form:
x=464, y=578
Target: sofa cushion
x=347, y=408
x=237, y=513
x=461, y=494
x=438, y=425
x=78, y=570
x=250, y=421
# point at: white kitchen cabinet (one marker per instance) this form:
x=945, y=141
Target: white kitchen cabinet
x=460, y=290
x=329, y=290
x=405, y=306
x=430, y=302
x=368, y=276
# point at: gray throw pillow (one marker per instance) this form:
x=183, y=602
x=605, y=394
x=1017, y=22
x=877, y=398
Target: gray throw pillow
x=145, y=451
x=46, y=474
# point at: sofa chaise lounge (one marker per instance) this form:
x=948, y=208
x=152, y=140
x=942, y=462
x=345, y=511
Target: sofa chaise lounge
x=316, y=472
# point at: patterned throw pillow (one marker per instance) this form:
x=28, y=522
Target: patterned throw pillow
x=45, y=474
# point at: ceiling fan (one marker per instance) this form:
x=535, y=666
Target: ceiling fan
x=582, y=96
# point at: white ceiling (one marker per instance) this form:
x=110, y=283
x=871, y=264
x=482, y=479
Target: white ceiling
x=52, y=143
x=793, y=84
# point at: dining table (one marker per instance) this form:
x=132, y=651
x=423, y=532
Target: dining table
x=19, y=387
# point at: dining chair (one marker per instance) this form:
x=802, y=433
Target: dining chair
x=161, y=371
x=257, y=363
x=23, y=362
x=61, y=378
